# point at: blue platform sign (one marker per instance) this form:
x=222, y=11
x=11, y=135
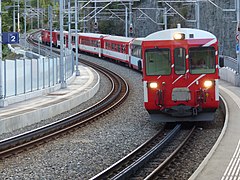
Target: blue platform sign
x=10, y=37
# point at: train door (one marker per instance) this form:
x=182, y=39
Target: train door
x=99, y=48
x=179, y=61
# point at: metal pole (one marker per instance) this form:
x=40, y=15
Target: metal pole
x=50, y=27
x=24, y=75
x=43, y=13
x=62, y=49
x=165, y=18
x=69, y=26
x=38, y=13
x=18, y=17
x=76, y=37
x=130, y=19
x=95, y=17
x=197, y=14
x=84, y=22
x=126, y=22
x=1, y=87
x=31, y=22
x=16, y=75
x=25, y=23
x=14, y=23
x=95, y=11
x=238, y=33
x=39, y=48
x=5, y=79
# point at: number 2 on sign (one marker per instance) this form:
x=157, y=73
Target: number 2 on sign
x=13, y=38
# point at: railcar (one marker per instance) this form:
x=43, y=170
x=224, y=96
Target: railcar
x=73, y=40
x=45, y=37
x=65, y=39
x=91, y=43
x=55, y=36
x=135, y=61
x=180, y=75
x=117, y=48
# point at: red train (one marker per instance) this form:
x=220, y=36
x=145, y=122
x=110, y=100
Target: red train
x=180, y=69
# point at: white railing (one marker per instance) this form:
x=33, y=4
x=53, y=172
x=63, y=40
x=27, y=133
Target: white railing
x=25, y=75
x=229, y=71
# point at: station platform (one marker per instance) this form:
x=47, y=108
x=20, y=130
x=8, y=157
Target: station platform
x=45, y=104
x=223, y=161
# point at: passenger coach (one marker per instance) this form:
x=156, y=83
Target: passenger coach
x=180, y=75
x=91, y=43
x=117, y=48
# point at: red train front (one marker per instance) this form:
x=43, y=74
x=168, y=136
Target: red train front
x=180, y=75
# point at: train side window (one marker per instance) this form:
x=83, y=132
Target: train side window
x=73, y=39
x=158, y=62
x=124, y=48
x=119, y=47
x=179, y=60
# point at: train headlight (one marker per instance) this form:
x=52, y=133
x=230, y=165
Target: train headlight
x=153, y=85
x=179, y=36
x=208, y=84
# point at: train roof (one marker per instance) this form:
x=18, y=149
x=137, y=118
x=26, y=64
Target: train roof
x=118, y=38
x=138, y=41
x=94, y=35
x=188, y=32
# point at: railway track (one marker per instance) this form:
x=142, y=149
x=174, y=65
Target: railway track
x=114, y=98
x=151, y=158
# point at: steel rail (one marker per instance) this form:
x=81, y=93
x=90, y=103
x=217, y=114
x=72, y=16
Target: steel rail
x=161, y=167
x=110, y=173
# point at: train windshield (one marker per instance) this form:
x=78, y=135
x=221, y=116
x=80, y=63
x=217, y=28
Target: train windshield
x=202, y=60
x=179, y=60
x=158, y=62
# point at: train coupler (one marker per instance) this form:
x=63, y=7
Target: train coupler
x=194, y=111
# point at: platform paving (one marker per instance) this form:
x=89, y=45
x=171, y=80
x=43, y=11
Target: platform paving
x=49, y=104
x=222, y=163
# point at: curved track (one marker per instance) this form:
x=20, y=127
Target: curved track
x=117, y=95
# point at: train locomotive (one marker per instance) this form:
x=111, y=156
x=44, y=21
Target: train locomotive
x=179, y=67
x=180, y=75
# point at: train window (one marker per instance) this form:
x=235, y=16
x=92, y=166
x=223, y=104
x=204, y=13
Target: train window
x=158, y=62
x=202, y=60
x=179, y=60
x=73, y=39
x=137, y=51
x=124, y=48
x=119, y=47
